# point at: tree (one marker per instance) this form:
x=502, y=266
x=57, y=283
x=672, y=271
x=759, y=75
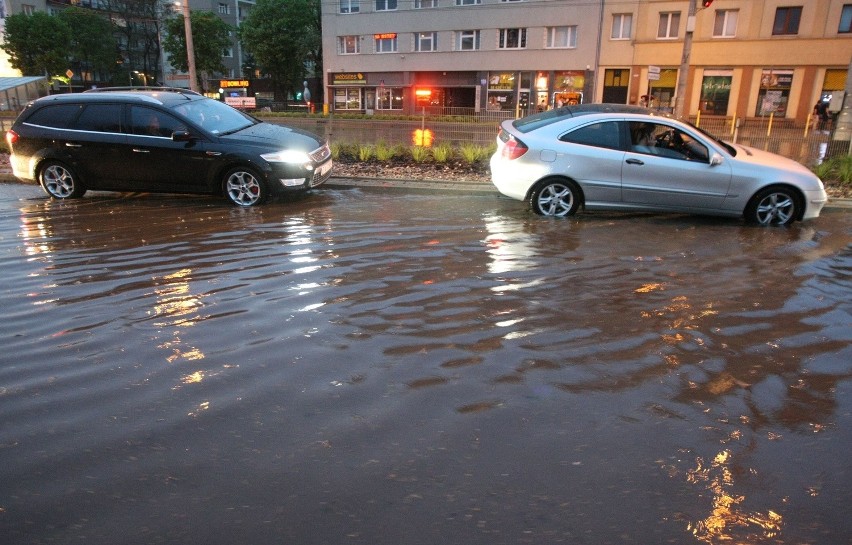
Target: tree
x=138, y=24
x=284, y=38
x=210, y=37
x=93, y=45
x=37, y=44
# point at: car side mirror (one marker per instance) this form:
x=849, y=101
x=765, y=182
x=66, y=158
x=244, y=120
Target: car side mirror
x=181, y=136
x=715, y=160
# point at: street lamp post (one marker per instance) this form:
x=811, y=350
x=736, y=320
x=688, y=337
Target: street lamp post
x=190, y=48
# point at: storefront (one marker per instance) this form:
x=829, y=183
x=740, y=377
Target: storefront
x=716, y=91
x=774, y=93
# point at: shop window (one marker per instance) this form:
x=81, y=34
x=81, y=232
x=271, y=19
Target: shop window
x=715, y=93
x=348, y=45
x=787, y=21
x=425, y=41
x=562, y=37
x=725, y=24
x=513, y=38
x=845, y=20
x=668, y=27
x=350, y=6
x=774, y=92
x=389, y=98
x=622, y=24
x=385, y=5
x=347, y=98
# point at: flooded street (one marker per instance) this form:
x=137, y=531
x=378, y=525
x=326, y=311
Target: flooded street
x=393, y=368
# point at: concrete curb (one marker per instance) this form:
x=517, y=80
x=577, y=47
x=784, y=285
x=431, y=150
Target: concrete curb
x=427, y=186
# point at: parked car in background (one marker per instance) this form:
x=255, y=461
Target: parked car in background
x=161, y=140
x=619, y=157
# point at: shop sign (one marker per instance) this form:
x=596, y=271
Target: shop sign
x=774, y=79
x=233, y=83
x=348, y=78
x=503, y=81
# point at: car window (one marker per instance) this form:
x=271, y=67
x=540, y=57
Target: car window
x=214, y=116
x=59, y=116
x=150, y=122
x=99, y=118
x=665, y=141
x=602, y=135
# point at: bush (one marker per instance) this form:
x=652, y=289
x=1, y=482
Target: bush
x=420, y=154
x=366, y=152
x=383, y=151
x=442, y=153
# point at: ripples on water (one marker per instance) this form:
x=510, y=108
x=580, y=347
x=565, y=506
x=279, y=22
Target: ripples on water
x=359, y=367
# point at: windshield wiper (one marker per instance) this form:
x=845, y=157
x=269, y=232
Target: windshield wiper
x=238, y=129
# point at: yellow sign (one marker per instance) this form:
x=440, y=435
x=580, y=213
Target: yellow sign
x=231, y=83
x=348, y=78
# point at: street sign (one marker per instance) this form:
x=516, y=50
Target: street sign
x=653, y=77
x=653, y=69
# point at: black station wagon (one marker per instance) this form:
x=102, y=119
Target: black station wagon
x=161, y=140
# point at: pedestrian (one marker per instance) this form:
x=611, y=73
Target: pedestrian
x=821, y=115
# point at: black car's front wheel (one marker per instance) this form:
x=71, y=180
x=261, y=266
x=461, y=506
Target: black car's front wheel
x=59, y=181
x=244, y=187
x=773, y=206
x=556, y=198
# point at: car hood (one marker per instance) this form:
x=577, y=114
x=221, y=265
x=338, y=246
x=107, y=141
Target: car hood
x=754, y=156
x=272, y=136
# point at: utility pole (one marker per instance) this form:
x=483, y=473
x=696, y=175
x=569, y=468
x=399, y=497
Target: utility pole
x=190, y=48
x=683, y=73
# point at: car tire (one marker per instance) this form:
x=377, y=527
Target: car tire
x=773, y=206
x=556, y=197
x=59, y=181
x=244, y=187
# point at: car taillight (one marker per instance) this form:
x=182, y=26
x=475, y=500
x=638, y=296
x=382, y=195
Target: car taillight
x=11, y=137
x=514, y=149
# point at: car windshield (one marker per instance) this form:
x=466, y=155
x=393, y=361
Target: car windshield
x=215, y=116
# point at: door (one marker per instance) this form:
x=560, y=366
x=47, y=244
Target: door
x=94, y=145
x=668, y=167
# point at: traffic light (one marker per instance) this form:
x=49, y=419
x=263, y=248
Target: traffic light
x=706, y=3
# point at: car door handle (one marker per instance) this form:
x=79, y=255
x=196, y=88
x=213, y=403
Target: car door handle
x=70, y=145
x=139, y=150
x=635, y=162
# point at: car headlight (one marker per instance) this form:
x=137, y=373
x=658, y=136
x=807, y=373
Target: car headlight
x=287, y=156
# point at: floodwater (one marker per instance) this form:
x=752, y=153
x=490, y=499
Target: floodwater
x=395, y=368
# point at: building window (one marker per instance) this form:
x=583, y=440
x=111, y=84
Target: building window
x=621, y=26
x=385, y=43
x=562, y=37
x=348, y=45
x=423, y=4
x=513, y=38
x=845, y=20
x=468, y=40
x=669, y=24
x=725, y=25
x=347, y=98
x=224, y=9
x=426, y=41
x=228, y=52
x=350, y=6
x=389, y=98
x=467, y=2
x=27, y=9
x=385, y=5
x=787, y=21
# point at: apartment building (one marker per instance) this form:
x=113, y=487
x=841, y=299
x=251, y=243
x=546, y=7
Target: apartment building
x=746, y=59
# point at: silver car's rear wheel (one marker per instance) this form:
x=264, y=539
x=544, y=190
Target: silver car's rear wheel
x=556, y=198
x=773, y=206
x=244, y=187
x=59, y=181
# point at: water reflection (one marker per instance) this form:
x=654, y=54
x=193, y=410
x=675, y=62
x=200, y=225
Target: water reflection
x=467, y=368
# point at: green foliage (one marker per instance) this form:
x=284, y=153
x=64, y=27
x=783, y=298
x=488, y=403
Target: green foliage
x=366, y=152
x=284, y=37
x=442, y=153
x=419, y=154
x=383, y=151
x=210, y=36
x=473, y=153
x=837, y=169
x=37, y=44
x=93, y=44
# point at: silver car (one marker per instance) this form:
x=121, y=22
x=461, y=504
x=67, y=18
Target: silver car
x=618, y=157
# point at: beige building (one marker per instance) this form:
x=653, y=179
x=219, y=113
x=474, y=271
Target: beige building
x=747, y=58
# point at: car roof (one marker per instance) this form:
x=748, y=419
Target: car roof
x=542, y=119
x=166, y=96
